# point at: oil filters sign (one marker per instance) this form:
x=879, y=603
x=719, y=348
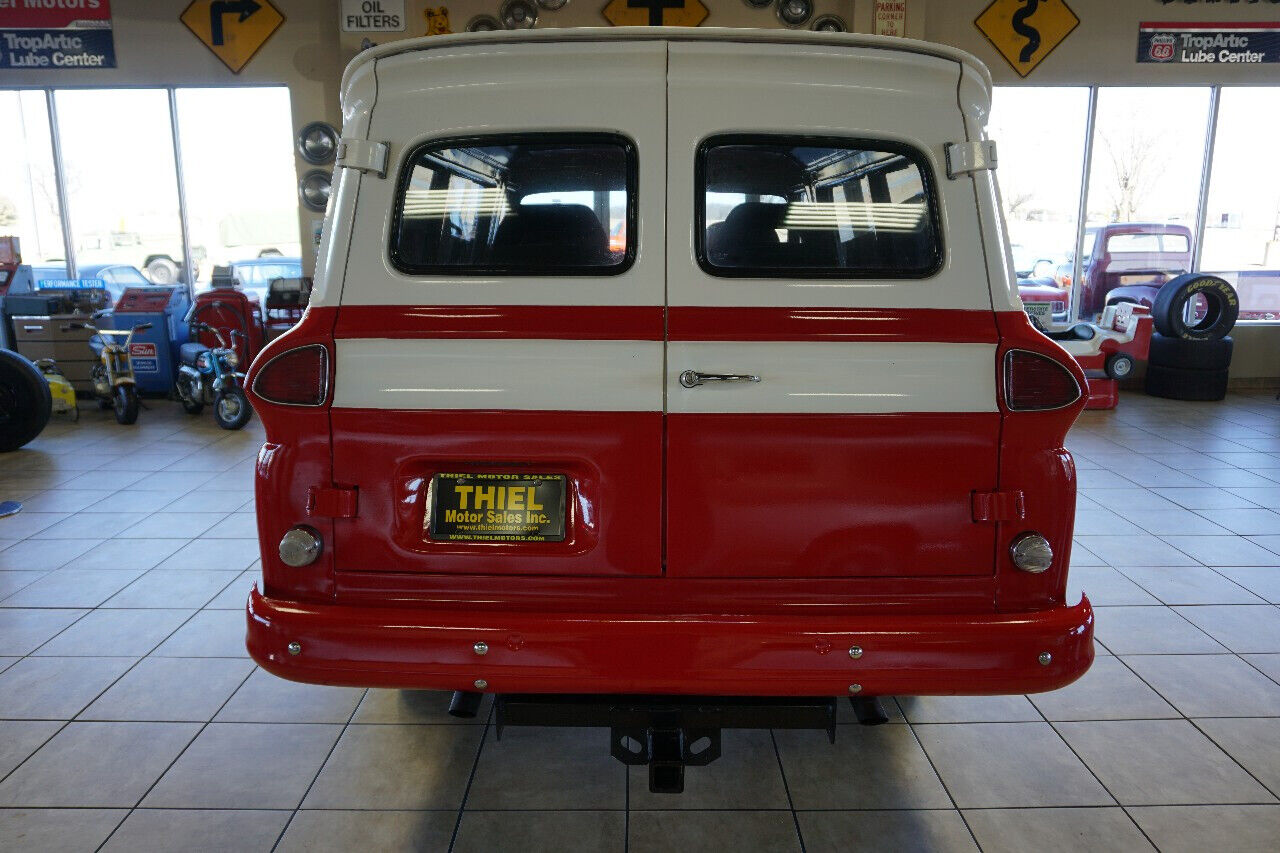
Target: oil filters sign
x=1204, y=43
x=58, y=34
x=372, y=16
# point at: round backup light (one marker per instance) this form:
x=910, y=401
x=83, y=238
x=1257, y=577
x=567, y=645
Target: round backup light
x=829, y=24
x=518, y=14
x=317, y=143
x=313, y=189
x=795, y=13
x=300, y=547
x=1031, y=553
x=483, y=24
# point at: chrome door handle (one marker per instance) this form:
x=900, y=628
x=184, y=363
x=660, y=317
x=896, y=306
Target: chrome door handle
x=692, y=378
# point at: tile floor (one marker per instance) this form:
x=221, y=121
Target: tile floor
x=131, y=719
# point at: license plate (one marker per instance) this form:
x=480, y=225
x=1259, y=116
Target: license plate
x=496, y=508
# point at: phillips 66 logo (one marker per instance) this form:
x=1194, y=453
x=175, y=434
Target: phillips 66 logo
x=1161, y=48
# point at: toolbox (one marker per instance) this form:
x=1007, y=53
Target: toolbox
x=154, y=351
x=44, y=337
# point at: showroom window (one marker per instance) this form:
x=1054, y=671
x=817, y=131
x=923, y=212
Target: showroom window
x=1034, y=125
x=534, y=206
x=247, y=210
x=1242, y=216
x=95, y=180
x=769, y=206
x=121, y=184
x=29, y=204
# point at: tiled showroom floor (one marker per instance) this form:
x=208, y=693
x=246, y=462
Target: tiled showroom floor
x=131, y=719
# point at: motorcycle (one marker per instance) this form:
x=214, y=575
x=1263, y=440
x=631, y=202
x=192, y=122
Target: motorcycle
x=208, y=375
x=112, y=377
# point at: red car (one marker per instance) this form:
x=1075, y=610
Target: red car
x=1127, y=262
x=797, y=440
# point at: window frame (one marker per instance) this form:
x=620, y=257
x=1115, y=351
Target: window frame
x=632, y=190
x=914, y=155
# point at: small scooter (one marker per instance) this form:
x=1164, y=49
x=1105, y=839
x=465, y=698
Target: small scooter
x=208, y=375
x=112, y=377
x=60, y=390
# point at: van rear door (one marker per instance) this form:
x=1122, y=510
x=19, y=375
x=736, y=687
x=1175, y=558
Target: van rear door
x=831, y=362
x=499, y=345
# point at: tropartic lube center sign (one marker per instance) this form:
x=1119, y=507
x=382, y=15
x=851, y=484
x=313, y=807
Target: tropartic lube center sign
x=63, y=34
x=1205, y=43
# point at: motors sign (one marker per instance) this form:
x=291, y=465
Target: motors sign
x=56, y=34
x=1202, y=43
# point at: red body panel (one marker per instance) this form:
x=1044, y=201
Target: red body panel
x=935, y=325
x=379, y=609
x=829, y=495
x=612, y=460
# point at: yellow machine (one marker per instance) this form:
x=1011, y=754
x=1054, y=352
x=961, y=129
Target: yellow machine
x=64, y=396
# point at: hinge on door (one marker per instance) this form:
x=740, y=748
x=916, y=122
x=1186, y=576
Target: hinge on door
x=998, y=506
x=363, y=155
x=332, y=501
x=966, y=157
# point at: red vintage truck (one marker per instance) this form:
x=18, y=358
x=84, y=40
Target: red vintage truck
x=1127, y=262
x=787, y=436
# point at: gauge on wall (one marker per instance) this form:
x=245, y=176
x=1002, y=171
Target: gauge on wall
x=317, y=143
x=795, y=13
x=313, y=189
x=829, y=24
x=553, y=5
x=518, y=14
x=483, y=24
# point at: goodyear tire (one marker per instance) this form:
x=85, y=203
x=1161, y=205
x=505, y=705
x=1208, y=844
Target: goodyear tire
x=1181, y=384
x=1190, y=355
x=25, y=401
x=1171, y=301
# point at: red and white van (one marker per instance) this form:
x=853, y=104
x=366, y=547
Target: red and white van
x=667, y=361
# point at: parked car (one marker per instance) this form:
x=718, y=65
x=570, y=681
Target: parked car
x=789, y=447
x=255, y=274
x=1127, y=262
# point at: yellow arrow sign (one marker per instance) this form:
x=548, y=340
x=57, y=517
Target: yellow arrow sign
x=1026, y=31
x=655, y=13
x=233, y=29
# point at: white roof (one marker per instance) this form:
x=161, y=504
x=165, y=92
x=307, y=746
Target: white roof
x=720, y=34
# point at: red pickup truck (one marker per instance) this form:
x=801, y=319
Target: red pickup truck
x=1127, y=262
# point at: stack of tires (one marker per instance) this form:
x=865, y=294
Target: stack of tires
x=1189, y=360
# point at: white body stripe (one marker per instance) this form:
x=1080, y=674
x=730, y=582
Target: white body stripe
x=835, y=378
x=604, y=376
x=556, y=375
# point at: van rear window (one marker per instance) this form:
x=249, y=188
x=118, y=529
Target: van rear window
x=776, y=207
x=539, y=205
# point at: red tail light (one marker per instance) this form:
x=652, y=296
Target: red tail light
x=299, y=377
x=1037, y=383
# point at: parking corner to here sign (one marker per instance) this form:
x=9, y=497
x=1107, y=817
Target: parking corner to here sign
x=234, y=30
x=1025, y=32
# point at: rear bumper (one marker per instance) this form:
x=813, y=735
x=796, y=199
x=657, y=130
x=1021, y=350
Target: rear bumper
x=681, y=654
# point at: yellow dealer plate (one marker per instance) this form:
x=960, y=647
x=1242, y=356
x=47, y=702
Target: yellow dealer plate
x=496, y=508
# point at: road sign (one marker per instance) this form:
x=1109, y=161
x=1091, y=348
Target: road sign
x=1026, y=31
x=655, y=13
x=233, y=29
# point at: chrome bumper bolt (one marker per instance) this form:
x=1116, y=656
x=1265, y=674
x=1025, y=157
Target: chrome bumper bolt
x=1045, y=658
x=855, y=688
x=481, y=648
x=295, y=648
x=481, y=684
x=855, y=652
